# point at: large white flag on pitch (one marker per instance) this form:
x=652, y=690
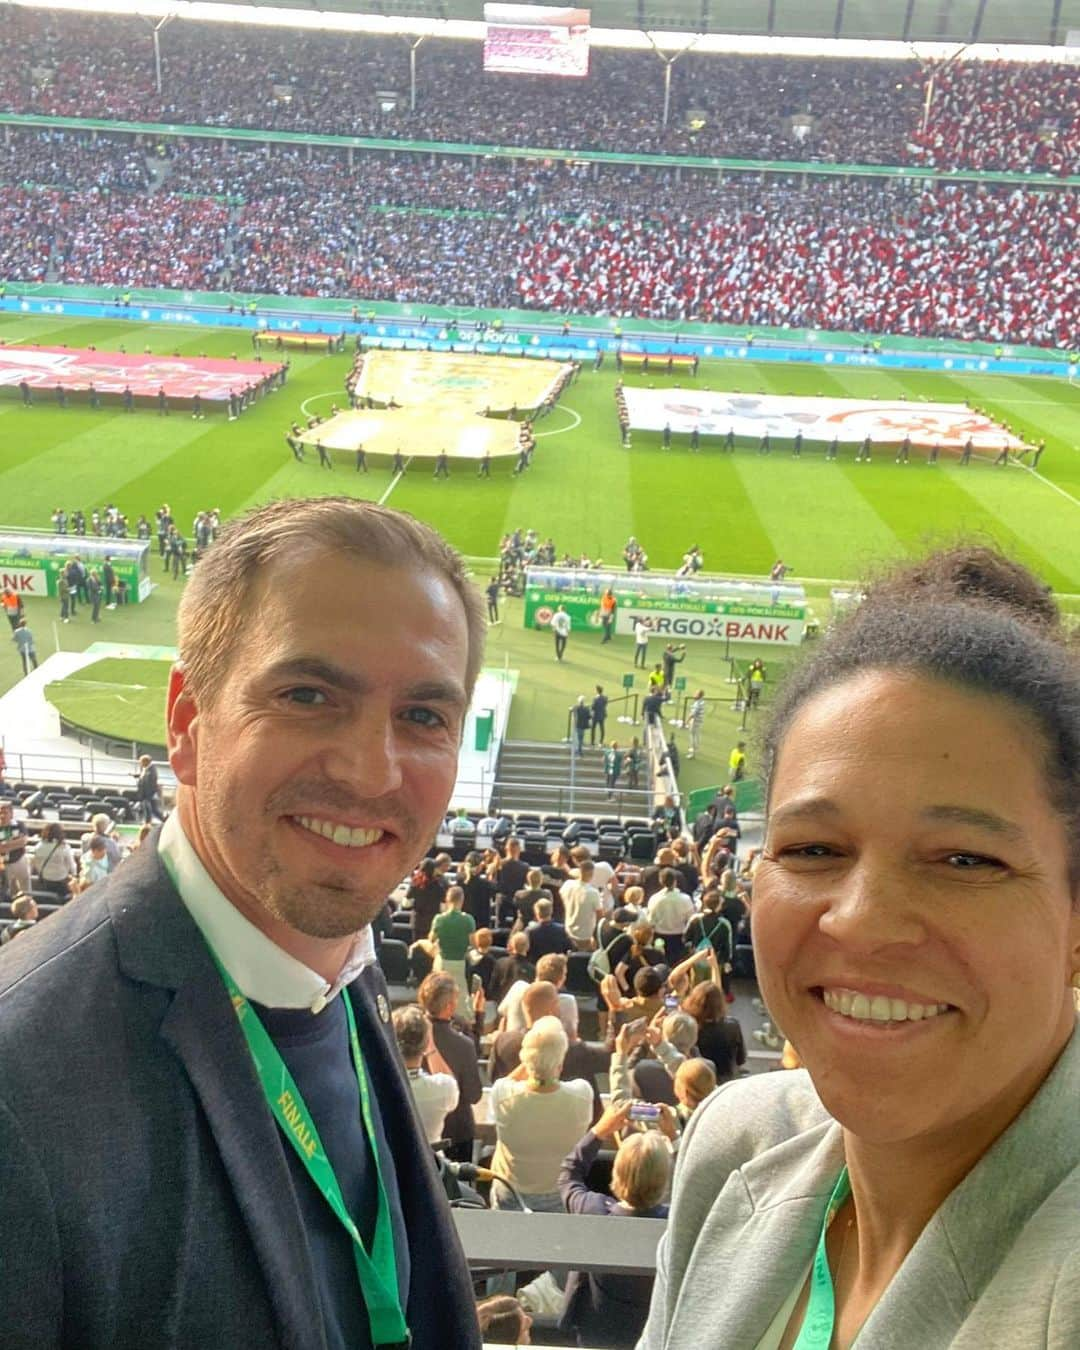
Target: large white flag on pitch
x=849, y=420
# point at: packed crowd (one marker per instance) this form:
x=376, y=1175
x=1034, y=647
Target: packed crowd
x=950, y=260
x=742, y=107
x=492, y=1040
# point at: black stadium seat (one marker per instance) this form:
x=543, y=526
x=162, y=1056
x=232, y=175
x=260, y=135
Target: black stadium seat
x=394, y=960
x=578, y=980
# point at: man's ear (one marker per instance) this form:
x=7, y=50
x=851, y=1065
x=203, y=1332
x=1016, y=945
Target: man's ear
x=182, y=723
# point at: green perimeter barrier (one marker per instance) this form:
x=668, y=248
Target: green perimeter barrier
x=749, y=798
x=538, y=321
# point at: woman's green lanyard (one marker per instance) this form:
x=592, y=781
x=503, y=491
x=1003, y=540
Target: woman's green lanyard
x=817, y=1327
x=377, y=1272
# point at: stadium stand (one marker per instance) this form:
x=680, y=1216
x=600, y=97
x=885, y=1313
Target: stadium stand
x=867, y=111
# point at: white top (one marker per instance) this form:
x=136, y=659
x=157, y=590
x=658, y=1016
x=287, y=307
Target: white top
x=53, y=861
x=669, y=912
x=583, y=907
x=560, y=623
x=261, y=970
x=435, y=1094
x=641, y=633
x=510, y=1007
x=775, y=1332
x=601, y=878
x=536, y=1130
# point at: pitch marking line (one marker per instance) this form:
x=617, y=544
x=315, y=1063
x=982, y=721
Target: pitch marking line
x=393, y=484
x=560, y=431
x=314, y=398
x=1059, y=490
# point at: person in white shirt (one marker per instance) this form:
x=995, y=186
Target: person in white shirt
x=601, y=877
x=538, y=1120
x=436, y=1092
x=551, y=968
x=695, y=721
x=560, y=626
x=584, y=905
x=641, y=642
x=669, y=911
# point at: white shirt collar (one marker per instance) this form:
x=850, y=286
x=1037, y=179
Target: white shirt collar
x=262, y=971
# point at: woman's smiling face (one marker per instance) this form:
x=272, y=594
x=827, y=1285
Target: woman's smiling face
x=914, y=923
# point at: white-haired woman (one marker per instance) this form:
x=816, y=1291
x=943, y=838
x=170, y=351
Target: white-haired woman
x=538, y=1120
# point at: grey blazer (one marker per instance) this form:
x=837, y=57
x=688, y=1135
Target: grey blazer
x=145, y=1199
x=997, y=1266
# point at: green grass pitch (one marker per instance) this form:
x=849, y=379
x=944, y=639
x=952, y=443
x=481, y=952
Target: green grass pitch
x=828, y=521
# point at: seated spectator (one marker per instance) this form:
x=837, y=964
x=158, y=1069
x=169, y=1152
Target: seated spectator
x=695, y=1079
x=24, y=912
x=54, y=862
x=545, y=935
x=95, y=863
x=102, y=827
x=538, y=1119
x=720, y=1037
x=604, y=1309
x=434, y=1087
x=451, y=932
x=503, y=1321
x=511, y=968
x=460, y=824
x=438, y=996
x=479, y=960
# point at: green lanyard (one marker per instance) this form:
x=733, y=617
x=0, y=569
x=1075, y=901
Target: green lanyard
x=378, y=1272
x=817, y=1327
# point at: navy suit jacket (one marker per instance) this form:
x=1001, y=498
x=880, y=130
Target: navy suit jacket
x=145, y=1198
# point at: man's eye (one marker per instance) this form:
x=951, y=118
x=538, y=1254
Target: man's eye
x=306, y=695
x=426, y=717
x=805, y=851
x=966, y=861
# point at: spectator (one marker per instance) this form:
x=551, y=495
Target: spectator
x=54, y=861
x=101, y=827
x=720, y=1037
x=425, y=893
x=503, y=1321
x=538, y=1119
x=438, y=996
x=13, y=845
x=669, y=912
x=479, y=960
x=583, y=906
x=95, y=863
x=604, y=1309
x=545, y=935
x=479, y=891
x=553, y=969
x=452, y=932
x=525, y=899
x=539, y=999
x=24, y=914
x=511, y=968
x=434, y=1087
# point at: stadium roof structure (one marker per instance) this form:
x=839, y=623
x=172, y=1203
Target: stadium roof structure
x=980, y=24
x=1045, y=22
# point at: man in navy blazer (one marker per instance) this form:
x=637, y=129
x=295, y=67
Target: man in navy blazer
x=328, y=650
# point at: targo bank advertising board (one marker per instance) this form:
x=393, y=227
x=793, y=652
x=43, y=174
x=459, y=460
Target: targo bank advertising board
x=675, y=620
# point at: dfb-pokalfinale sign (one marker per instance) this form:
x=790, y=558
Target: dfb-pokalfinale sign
x=672, y=620
x=33, y=567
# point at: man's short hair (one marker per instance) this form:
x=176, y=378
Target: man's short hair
x=586, y=868
x=647, y=982
x=535, y=878
x=519, y=944
x=668, y=877
x=437, y=993
x=455, y=895
x=98, y=844
x=540, y=999
x=482, y=939
x=412, y=1029
x=553, y=967
x=219, y=593
x=23, y=908
x=543, y=909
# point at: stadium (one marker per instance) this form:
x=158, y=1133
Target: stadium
x=689, y=327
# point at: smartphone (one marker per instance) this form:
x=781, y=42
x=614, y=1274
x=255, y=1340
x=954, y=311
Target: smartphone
x=647, y=1111
x=671, y=1002
x=476, y=984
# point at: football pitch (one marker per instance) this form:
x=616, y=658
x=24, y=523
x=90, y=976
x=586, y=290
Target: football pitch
x=831, y=522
